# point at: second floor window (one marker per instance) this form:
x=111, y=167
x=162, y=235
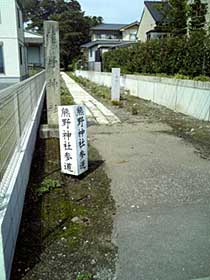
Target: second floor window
x=132, y=36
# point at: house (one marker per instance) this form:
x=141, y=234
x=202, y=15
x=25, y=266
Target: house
x=34, y=44
x=13, y=62
x=154, y=19
x=104, y=37
x=207, y=2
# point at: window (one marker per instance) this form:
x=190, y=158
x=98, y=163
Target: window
x=91, y=52
x=132, y=36
x=1, y=60
x=21, y=55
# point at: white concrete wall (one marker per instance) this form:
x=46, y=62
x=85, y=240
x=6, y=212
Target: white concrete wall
x=147, y=23
x=92, y=58
x=127, y=33
x=189, y=97
x=11, y=36
x=17, y=176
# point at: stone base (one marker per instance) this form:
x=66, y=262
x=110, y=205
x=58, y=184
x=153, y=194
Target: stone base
x=47, y=132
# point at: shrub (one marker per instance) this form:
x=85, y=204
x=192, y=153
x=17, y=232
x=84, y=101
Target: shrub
x=181, y=77
x=170, y=56
x=202, y=78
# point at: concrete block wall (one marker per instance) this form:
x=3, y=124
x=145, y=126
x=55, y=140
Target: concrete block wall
x=185, y=96
x=18, y=176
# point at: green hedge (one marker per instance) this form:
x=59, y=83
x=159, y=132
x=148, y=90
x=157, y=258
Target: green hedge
x=171, y=56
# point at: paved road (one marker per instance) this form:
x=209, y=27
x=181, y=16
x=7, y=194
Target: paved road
x=96, y=112
x=162, y=191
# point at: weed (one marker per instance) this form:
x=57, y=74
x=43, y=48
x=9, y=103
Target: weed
x=115, y=103
x=134, y=109
x=47, y=185
x=66, y=98
x=84, y=276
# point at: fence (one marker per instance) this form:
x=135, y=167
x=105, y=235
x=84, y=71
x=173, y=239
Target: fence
x=17, y=106
x=185, y=96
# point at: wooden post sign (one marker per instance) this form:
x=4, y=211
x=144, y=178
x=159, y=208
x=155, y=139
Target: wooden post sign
x=73, y=139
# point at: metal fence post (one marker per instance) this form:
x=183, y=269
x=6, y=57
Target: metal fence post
x=31, y=100
x=17, y=118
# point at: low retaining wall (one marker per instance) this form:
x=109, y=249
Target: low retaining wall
x=18, y=175
x=185, y=96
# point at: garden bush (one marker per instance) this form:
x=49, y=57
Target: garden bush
x=171, y=56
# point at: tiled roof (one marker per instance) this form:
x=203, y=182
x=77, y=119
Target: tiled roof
x=31, y=37
x=158, y=10
x=129, y=25
x=109, y=26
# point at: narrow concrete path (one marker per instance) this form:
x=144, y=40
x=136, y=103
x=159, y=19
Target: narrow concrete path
x=96, y=112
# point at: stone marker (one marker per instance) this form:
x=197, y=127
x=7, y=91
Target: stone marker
x=73, y=139
x=52, y=65
x=115, y=84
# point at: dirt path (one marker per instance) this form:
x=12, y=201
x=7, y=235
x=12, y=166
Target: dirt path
x=162, y=192
x=158, y=163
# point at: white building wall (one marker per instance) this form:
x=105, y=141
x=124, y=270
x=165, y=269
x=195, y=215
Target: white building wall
x=11, y=60
x=11, y=36
x=147, y=23
x=128, y=32
x=92, y=58
x=20, y=33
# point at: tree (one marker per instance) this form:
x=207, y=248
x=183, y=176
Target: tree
x=74, y=26
x=197, y=14
x=178, y=17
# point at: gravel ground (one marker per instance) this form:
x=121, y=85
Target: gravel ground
x=158, y=163
x=162, y=191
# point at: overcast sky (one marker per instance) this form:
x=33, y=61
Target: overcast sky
x=114, y=11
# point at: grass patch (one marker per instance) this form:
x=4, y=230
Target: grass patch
x=67, y=221
x=85, y=276
x=102, y=92
x=66, y=97
x=34, y=70
x=115, y=103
